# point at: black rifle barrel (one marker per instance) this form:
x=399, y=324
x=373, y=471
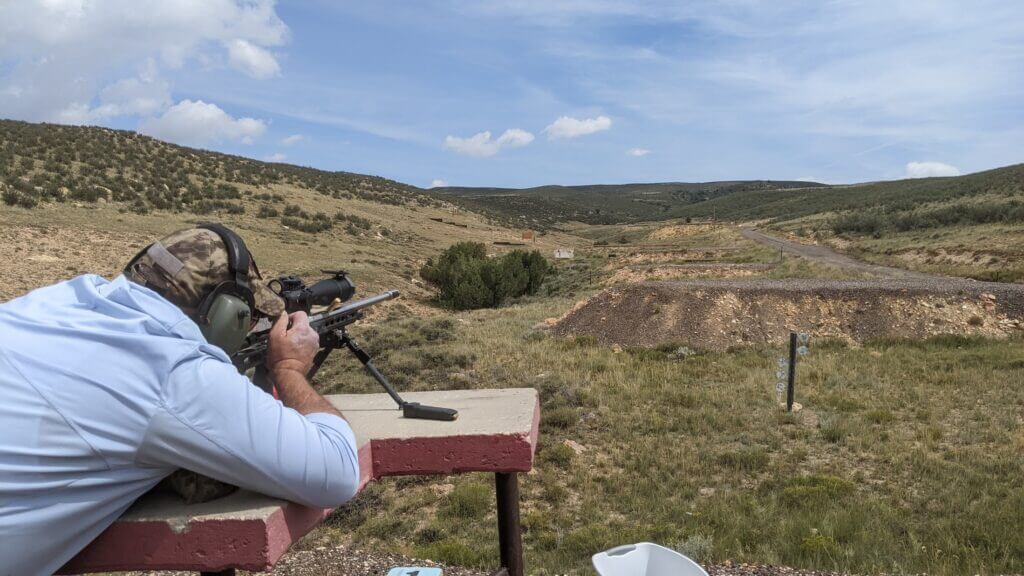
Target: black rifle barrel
x=319, y=320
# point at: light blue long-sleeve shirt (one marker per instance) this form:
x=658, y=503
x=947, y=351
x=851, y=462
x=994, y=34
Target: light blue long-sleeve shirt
x=105, y=389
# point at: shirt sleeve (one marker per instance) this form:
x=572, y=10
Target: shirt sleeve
x=214, y=421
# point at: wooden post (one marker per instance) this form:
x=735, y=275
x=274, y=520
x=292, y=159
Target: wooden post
x=792, y=372
x=510, y=537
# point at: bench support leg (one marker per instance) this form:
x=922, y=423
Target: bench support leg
x=510, y=537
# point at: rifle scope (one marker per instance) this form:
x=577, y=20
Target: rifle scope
x=297, y=296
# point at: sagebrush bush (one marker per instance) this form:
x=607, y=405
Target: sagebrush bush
x=16, y=198
x=468, y=279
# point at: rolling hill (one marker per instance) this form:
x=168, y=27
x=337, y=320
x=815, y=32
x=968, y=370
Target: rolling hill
x=56, y=163
x=983, y=197
x=545, y=206
x=1001, y=186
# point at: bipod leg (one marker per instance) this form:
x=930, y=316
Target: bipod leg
x=409, y=409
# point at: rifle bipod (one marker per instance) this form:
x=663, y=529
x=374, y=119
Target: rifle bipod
x=409, y=409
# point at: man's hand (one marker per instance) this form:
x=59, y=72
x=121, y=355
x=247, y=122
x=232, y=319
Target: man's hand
x=292, y=348
x=290, y=358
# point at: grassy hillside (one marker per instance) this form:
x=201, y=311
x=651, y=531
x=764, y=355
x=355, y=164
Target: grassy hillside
x=602, y=204
x=984, y=197
x=101, y=194
x=889, y=200
x=969, y=225
x=46, y=163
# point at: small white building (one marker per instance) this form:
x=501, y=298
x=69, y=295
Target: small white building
x=564, y=253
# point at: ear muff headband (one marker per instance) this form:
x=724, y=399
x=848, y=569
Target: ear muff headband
x=239, y=261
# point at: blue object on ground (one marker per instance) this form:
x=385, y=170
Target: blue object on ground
x=413, y=571
x=644, y=559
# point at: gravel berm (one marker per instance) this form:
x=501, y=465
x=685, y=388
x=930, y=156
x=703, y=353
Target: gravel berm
x=722, y=313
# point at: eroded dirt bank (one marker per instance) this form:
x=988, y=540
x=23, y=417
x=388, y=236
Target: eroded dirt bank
x=705, y=314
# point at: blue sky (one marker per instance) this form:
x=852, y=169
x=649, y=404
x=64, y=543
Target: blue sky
x=523, y=93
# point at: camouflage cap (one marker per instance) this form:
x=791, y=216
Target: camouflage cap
x=187, y=265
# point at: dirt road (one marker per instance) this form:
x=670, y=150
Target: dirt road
x=825, y=255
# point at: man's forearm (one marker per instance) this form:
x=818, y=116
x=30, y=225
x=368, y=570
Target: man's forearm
x=296, y=393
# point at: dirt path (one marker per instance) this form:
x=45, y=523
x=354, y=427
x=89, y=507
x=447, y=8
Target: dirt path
x=825, y=255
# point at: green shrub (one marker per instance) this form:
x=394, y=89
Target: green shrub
x=205, y=206
x=315, y=223
x=816, y=545
x=747, y=459
x=833, y=429
x=864, y=222
x=15, y=198
x=559, y=455
x=266, y=212
x=468, y=279
x=428, y=535
x=560, y=417
x=87, y=193
x=698, y=546
x=814, y=490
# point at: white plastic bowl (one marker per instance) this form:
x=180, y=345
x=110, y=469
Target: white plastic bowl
x=644, y=559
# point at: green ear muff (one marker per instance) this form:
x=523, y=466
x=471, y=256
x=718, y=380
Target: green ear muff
x=227, y=322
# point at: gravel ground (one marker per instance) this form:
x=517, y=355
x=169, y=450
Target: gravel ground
x=342, y=560
x=345, y=561
x=826, y=255
x=730, y=569
x=338, y=560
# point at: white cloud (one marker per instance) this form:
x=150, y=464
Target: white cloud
x=481, y=144
x=251, y=59
x=438, y=183
x=930, y=169
x=638, y=152
x=196, y=123
x=276, y=157
x=130, y=96
x=58, y=57
x=568, y=127
x=292, y=140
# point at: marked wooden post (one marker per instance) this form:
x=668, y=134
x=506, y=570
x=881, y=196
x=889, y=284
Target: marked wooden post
x=792, y=372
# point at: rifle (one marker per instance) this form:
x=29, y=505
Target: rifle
x=331, y=325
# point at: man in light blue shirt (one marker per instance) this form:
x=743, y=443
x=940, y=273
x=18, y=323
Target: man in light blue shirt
x=107, y=387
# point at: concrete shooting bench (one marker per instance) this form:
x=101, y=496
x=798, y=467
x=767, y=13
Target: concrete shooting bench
x=496, y=431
